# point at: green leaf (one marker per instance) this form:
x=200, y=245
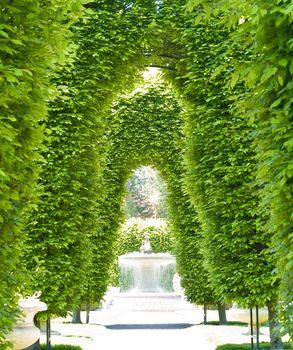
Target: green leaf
x=268, y=72
x=2, y=33
x=280, y=80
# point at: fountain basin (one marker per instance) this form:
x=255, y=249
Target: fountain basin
x=147, y=273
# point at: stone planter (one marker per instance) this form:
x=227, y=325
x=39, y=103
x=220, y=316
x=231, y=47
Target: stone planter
x=25, y=333
x=243, y=315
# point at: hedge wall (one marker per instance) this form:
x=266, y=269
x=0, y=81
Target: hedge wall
x=30, y=51
x=221, y=163
x=146, y=130
x=236, y=83
x=132, y=233
x=66, y=241
x=266, y=31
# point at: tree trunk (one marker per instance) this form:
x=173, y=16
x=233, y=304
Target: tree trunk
x=88, y=307
x=276, y=341
x=222, y=314
x=76, y=316
x=205, y=310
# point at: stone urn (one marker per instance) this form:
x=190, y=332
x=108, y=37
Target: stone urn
x=25, y=333
x=239, y=314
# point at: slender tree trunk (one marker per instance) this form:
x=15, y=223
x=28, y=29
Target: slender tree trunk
x=205, y=311
x=76, y=316
x=48, y=333
x=222, y=314
x=88, y=313
x=276, y=341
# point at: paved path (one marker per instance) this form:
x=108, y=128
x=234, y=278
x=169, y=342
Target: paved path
x=132, y=330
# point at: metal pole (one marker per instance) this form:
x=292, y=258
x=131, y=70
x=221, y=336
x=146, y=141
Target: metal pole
x=257, y=328
x=48, y=332
x=251, y=330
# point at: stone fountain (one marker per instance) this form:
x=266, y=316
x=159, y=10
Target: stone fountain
x=147, y=272
x=148, y=283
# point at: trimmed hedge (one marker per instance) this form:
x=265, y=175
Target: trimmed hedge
x=237, y=88
x=266, y=32
x=30, y=51
x=68, y=249
x=138, y=137
x=132, y=233
x=220, y=157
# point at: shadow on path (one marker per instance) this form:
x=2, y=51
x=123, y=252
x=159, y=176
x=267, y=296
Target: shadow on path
x=158, y=326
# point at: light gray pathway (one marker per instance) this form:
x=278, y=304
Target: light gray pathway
x=96, y=335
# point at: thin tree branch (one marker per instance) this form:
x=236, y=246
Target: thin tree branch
x=163, y=67
x=163, y=55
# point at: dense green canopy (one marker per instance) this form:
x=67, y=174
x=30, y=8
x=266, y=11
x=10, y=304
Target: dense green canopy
x=146, y=129
x=230, y=63
x=34, y=40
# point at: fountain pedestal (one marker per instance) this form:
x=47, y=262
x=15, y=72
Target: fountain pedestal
x=25, y=333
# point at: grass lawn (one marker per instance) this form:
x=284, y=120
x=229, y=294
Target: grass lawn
x=62, y=347
x=229, y=323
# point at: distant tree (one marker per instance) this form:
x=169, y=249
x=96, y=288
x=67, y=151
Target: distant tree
x=146, y=194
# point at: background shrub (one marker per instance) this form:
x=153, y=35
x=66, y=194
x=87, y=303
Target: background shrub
x=133, y=232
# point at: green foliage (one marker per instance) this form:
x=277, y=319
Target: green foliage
x=146, y=130
x=271, y=79
x=68, y=246
x=188, y=238
x=132, y=233
x=30, y=50
x=267, y=34
x=221, y=166
x=236, y=81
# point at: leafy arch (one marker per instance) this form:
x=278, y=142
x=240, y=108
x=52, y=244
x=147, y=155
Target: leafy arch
x=109, y=41
x=92, y=82
x=146, y=129
x=113, y=42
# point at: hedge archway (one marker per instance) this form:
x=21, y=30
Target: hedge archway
x=92, y=82
x=145, y=129
x=114, y=41
x=65, y=224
